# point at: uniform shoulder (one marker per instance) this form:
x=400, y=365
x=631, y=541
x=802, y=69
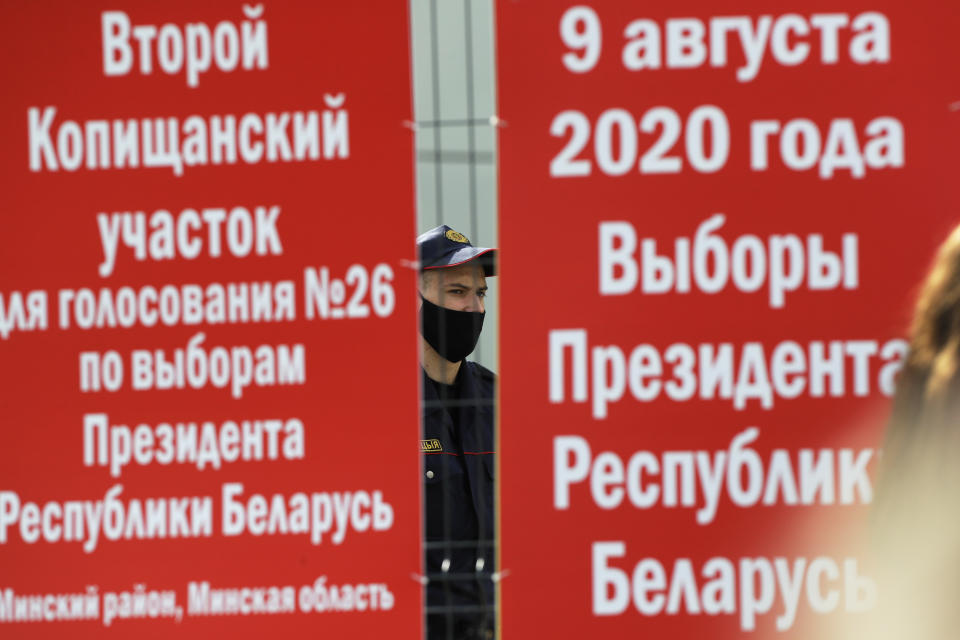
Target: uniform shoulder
x=481, y=373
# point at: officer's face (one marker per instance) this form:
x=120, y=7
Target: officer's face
x=460, y=288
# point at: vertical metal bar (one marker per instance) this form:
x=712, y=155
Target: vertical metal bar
x=435, y=80
x=481, y=548
x=438, y=177
x=471, y=128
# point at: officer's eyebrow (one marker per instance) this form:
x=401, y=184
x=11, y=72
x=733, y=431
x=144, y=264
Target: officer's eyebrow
x=461, y=285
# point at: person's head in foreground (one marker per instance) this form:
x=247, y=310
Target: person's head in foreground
x=916, y=516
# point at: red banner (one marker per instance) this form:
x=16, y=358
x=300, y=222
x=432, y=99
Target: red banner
x=732, y=209
x=207, y=322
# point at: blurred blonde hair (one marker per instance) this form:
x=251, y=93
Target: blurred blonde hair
x=926, y=405
x=916, y=528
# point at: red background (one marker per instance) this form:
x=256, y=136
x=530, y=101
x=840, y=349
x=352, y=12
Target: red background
x=549, y=263
x=359, y=403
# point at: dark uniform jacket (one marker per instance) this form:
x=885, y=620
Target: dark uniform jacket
x=458, y=466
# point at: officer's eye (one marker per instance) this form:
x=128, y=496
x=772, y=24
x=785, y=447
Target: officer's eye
x=482, y=293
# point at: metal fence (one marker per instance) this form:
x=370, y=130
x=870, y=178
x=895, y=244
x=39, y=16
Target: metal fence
x=456, y=172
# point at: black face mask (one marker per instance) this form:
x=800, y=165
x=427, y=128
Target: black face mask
x=453, y=334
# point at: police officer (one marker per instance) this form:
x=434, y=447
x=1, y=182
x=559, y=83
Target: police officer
x=458, y=443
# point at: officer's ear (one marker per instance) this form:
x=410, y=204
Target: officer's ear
x=421, y=287
x=427, y=280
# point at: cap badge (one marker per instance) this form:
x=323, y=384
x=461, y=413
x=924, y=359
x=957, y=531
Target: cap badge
x=456, y=236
